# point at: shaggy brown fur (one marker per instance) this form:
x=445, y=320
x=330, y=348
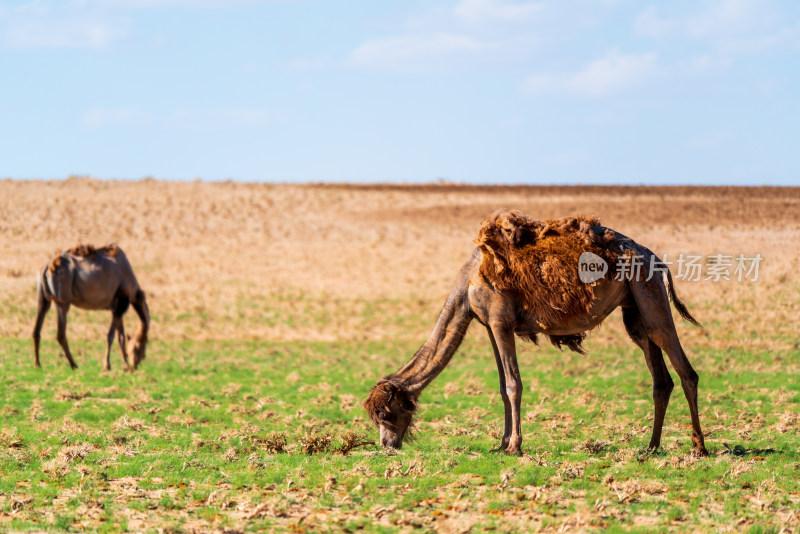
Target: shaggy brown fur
x=537, y=262
x=83, y=250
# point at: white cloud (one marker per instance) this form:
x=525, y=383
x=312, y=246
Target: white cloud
x=649, y=24
x=61, y=34
x=717, y=19
x=610, y=74
x=83, y=23
x=45, y=24
x=480, y=10
x=413, y=52
x=720, y=31
x=727, y=17
x=108, y=118
x=786, y=38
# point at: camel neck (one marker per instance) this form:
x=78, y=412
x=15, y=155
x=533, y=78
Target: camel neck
x=435, y=353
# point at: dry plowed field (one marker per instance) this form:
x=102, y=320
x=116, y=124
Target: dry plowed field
x=339, y=262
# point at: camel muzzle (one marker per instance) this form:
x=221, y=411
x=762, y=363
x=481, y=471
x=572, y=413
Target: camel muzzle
x=389, y=440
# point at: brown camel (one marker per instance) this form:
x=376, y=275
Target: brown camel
x=524, y=279
x=93, y=279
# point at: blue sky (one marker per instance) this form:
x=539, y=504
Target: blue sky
x=481, y=91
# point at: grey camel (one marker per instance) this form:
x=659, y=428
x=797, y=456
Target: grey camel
x=93, y=279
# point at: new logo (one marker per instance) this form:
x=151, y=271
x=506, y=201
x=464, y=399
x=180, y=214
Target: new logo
x=591, y=267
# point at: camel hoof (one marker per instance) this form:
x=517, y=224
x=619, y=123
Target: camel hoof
x=700, y=451
x=514, y=451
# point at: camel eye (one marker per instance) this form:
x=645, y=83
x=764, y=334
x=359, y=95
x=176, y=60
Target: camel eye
x=383, y=415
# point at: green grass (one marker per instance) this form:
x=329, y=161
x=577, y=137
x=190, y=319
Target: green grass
x=188, y=442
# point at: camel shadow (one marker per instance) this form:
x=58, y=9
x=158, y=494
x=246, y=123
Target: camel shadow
x=739, y=450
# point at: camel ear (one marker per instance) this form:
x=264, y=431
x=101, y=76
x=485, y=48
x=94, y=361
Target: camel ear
x=513, y=235
x=518, y=236
x=407, y=402
x=379, y=399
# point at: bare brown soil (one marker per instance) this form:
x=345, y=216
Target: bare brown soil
x=278, y=262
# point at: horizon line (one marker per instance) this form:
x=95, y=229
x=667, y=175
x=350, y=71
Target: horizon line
x=443, y=182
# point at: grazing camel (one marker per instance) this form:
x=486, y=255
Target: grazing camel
x=93, y=279
x=523, y=278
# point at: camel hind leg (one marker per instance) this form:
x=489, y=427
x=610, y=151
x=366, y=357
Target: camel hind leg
x=111, y=333
x=62, y=310
x=653, y=304
x=122, y=343
x=41, y=312
x=662, y=381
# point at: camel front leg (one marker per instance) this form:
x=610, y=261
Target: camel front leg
x=503, y=393
x=62, y=310
x=504, y=338
x=121, y=341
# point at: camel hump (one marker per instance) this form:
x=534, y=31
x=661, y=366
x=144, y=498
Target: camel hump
x=87, y=250
x=519, y=230
x=83, y=251
x=111, y=250
x=537, y=261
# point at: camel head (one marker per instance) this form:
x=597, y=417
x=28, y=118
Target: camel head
x=391, y=407
x=136, y=351
x=506, y=227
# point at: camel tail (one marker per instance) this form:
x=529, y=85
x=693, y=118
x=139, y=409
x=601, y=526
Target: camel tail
x=679, y=305
x=43, y=299
x=41, y=287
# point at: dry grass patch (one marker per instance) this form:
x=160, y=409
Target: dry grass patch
x=60, y=465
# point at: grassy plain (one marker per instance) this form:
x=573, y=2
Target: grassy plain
x=275, y=308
